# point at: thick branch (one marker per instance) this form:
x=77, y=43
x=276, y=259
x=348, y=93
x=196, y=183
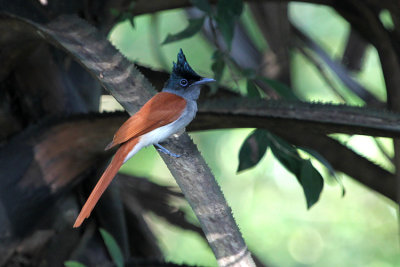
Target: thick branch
x=298, y=116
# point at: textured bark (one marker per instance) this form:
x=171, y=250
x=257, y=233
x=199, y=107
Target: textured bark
x=298, y=116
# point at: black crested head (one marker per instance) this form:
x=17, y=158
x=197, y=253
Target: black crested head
x=184, y=81
x=182, y=69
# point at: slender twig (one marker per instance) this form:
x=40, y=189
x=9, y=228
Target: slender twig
x=322, y=72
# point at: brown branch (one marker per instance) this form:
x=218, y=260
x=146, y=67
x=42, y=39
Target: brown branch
x=317, y=118
x=337, y=68
x=354, y=53
x=273, y=22
x=324, y=75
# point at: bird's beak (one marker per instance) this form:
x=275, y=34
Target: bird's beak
x=204, y=81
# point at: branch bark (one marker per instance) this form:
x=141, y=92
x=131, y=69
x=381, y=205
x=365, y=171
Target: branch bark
x=298, y=116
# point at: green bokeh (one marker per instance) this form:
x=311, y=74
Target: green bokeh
x=359, y=229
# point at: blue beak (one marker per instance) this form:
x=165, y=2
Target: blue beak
x=204, y=81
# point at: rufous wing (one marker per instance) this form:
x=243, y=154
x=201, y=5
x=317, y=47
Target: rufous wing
x=160, y=110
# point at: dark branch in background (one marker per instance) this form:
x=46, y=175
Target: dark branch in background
x=325, y=76
x=273, y=22
x=369, y=26
x=131, y=89
x=338, y=69
x=155, y=198
x=354, y=52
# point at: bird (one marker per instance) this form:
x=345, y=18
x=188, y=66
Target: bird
x=165, y=114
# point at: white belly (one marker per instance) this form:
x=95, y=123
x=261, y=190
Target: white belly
x=160, y=134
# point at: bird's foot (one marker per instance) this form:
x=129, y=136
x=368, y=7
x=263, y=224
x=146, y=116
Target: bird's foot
x=166, y=151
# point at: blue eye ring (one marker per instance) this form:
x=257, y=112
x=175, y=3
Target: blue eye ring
x=183, y=82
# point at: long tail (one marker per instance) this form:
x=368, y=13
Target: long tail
x=105, y=180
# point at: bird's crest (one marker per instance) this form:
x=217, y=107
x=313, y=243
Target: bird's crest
x=182, y=68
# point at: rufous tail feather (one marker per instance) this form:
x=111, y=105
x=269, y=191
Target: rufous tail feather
x=105, y=180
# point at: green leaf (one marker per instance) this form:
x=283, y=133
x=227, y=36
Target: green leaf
x=228, y=11
x=286, y=154
x=253, y=149
x=113, y=248
x=249, y=73
x=282, y=89
x=252, y=90
x=217, y=67
x=132, y=21
x=309, y=177
x=73, y=264
x=327, y=164
x=193, y=28
x=311, y=181
x=203, y=5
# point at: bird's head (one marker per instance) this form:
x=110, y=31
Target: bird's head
x=184, y=81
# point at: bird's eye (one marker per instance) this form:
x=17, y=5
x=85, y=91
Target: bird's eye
x=183, y=82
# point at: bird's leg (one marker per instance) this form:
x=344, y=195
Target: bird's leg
x=166, y=151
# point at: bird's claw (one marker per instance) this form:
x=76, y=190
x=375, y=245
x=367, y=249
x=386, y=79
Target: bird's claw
x=166, y=151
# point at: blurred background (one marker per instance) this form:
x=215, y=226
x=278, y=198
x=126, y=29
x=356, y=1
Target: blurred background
x=57, y=118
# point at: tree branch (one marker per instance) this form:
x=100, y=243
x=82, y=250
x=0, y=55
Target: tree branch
x=298, y=116
x=337, y=68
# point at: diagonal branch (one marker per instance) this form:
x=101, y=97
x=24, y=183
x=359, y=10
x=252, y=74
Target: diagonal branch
x=131, y=89
x=337, y=68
